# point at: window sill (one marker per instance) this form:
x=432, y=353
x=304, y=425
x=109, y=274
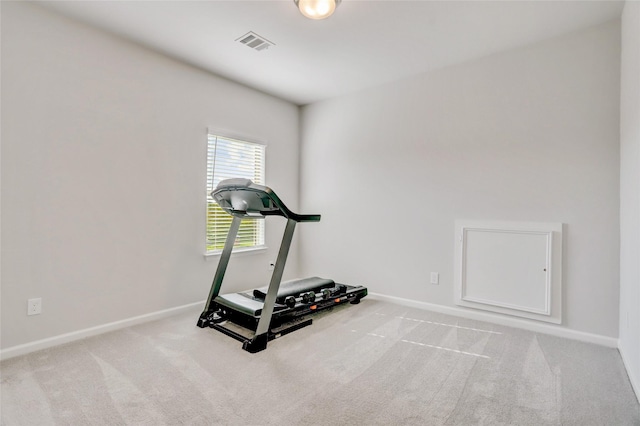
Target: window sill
x=244, y=251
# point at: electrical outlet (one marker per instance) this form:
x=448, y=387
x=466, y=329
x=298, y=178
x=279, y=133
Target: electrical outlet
x=272, y=265
x=34, y=306
x=435, y=278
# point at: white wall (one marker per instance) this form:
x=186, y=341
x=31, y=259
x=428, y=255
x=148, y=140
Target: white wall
x=527, y=135
x=103, y=176
x=630, y=193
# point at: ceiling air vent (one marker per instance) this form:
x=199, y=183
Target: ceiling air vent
x=255, y=41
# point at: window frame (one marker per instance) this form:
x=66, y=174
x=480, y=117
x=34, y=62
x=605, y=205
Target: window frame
x=209, y=186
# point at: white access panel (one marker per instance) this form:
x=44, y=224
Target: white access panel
x=510, y=267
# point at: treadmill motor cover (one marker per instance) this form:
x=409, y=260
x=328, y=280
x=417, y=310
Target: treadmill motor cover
x=295, y=287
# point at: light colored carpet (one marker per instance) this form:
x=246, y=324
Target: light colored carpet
x=371, y=364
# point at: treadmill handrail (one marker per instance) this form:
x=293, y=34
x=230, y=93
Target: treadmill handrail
x=245, y=199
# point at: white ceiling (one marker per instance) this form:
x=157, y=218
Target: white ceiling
x=364, y=44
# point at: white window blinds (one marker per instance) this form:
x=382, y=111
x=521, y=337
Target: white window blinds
x=231, y=158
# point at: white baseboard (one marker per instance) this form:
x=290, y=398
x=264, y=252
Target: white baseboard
x=543, y=328
x=464, y=313
x=635, y=384
x=93, y=331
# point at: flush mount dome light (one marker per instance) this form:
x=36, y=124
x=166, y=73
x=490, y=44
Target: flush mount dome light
x=317, y=9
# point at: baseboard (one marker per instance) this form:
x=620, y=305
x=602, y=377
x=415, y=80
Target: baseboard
x=473, y=314
x=464, y=313
x=635, y=384
x=93, y=331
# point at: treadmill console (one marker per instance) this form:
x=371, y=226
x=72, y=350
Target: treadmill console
x=243, y=198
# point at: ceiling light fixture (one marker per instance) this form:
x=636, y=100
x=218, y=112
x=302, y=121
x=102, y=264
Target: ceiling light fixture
x=317, y=9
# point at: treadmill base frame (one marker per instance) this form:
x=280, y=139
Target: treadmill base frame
x=284, y=320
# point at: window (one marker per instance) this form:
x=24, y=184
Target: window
x=231, y=158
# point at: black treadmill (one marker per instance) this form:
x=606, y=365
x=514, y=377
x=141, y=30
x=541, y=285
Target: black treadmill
x=273, y=311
